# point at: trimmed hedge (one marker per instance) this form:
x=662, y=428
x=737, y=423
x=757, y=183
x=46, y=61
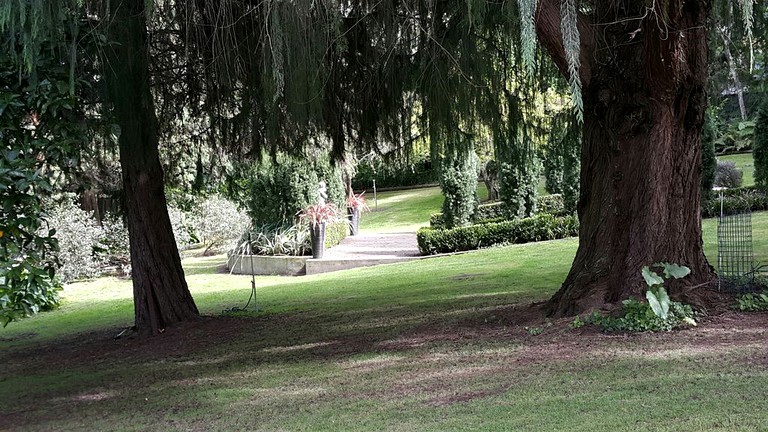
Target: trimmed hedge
x=538, y=228
x=739, y=199
x=336, y=232
x=494, y=211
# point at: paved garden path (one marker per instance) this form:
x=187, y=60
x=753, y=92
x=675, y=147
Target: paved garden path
x=375, y=245
x=367, y=249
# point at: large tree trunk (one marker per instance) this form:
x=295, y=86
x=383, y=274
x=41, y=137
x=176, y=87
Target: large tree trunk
x=160, y=293
x=644, y=99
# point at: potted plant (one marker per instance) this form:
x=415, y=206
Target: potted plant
x=355, y=207
x=318, y=215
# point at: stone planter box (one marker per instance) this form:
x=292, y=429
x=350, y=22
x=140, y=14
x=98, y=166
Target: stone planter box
x=268, y=265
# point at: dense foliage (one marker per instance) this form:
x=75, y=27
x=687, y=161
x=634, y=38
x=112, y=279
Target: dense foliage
x=518, y=187
x=41, y=136
x=740, y=199
x=541, y=227
x=220, y=224
x=79, y=237
x=562, y=163
x=550, y=204
x=274, y=191
x=708, y=158
x=458, y=181
x=727, y=175
x=760, y=149
x=394, y=173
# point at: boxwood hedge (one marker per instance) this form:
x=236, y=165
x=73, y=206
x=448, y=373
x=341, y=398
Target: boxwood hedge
x=540, y=227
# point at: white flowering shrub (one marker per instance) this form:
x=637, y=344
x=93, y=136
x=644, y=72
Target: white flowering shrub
x=183, y=224
x=114, y=246
x=79, y=235
x=220, y=224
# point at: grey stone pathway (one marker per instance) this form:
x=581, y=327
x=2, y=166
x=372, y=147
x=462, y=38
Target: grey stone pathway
x=367, y=249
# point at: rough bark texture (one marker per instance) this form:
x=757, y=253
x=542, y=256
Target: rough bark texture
x=644, y=102
x=161, y=296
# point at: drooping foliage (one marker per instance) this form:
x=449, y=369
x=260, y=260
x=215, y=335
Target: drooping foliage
x=562, y=160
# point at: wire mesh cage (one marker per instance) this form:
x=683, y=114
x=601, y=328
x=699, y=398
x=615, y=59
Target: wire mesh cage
x=735, y=259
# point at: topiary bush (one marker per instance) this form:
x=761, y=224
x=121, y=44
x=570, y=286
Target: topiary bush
x=542, y=227
x=727, y=175
x=760, y=149
x=458, y=181
x=518, y=188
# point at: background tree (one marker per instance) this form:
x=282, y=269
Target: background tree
x=760, y=149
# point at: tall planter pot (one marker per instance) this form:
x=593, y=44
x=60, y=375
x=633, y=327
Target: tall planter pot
x=354, y=220
x=317, y=234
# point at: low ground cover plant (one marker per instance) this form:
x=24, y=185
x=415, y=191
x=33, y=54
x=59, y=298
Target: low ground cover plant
x=752, y=302
x=658, y=313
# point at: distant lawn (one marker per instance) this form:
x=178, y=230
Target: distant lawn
x=745, y=163
x=405, y=210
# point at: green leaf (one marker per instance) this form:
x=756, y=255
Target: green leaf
x=659, y=303
x=674, y=270
x=651, y=277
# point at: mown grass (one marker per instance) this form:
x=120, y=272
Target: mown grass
x=430, y=345
x=406, y=210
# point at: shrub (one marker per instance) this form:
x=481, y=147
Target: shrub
x=752, y=302
x=518, y=187
x=537, y=228
x=760, y=148
x=735, y=200
x=114, y=245
x=551, y=204
x=183, y=225
x=276, y=241
x=276, y=190
x=494, y=211
x=458, y=181
x=79, y=236
x=727, y=175
x=335, y=232
x=220, y=224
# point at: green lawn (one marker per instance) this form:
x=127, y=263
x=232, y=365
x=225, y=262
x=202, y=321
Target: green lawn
x=406, y=210
x=438, y=344
x=745, y=163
